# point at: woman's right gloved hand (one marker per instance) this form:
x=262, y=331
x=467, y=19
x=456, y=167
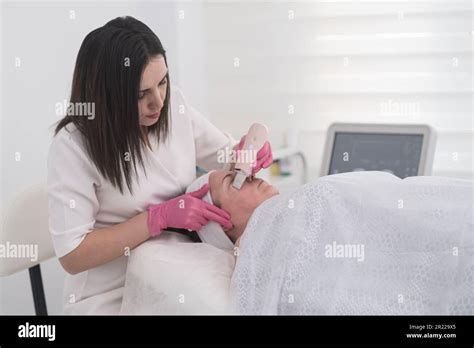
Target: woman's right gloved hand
x=186, y=211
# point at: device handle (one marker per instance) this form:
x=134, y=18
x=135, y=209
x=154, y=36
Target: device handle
x=254, y=141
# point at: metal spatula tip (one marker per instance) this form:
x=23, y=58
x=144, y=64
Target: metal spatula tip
x=238, y=180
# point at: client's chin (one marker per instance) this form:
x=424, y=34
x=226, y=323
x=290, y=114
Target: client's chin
x=236, y=232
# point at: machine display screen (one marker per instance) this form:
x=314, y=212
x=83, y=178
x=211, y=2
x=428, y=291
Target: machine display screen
x=398, y=154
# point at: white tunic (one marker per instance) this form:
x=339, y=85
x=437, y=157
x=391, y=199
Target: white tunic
x=81, y=199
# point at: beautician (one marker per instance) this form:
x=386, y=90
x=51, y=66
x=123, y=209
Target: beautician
x=118, y=178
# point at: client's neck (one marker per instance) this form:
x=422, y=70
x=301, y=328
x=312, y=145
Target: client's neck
x=235, y=232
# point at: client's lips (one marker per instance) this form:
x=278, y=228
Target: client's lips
x=154, y=115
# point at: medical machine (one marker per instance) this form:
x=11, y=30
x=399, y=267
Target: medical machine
x=402, y=150
x=246, y=157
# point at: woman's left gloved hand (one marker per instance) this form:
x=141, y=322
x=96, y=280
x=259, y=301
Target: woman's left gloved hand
x=264, y=155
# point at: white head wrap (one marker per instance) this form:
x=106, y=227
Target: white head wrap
x=211, y=233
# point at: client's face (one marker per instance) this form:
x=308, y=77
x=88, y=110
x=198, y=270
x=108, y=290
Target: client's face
x=240, y=204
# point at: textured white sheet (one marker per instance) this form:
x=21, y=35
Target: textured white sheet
x=418, y=240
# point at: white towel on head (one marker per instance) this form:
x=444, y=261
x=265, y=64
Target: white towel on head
x=211, y=233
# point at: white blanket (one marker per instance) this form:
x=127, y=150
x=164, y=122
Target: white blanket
x=171, y=275
x=360, y=243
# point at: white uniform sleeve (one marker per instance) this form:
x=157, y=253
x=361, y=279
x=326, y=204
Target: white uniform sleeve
x=73, y=203
x=209, y=140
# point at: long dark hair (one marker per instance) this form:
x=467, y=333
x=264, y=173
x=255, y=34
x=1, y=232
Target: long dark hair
x=114, y=138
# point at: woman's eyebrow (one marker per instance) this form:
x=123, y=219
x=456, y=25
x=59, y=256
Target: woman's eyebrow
x=164, y=77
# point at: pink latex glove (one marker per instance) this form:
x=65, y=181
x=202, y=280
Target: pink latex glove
x=185, y=211
x=264, y=155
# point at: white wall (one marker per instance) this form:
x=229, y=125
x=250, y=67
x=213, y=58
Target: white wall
x=330, y=61
x=342, y=61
